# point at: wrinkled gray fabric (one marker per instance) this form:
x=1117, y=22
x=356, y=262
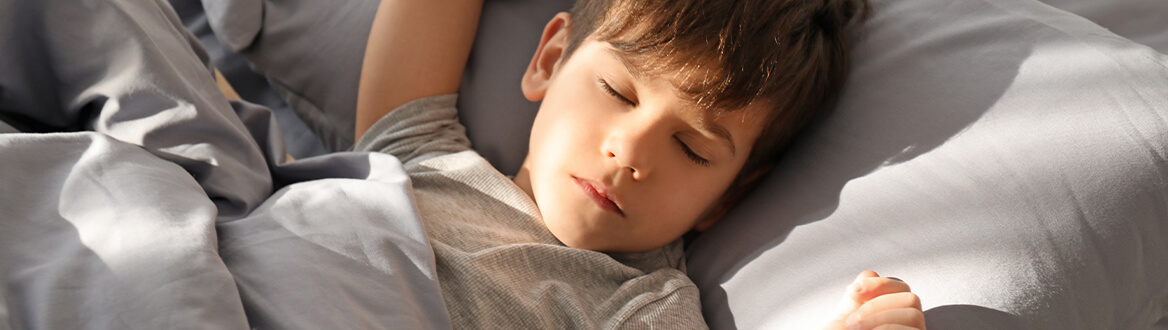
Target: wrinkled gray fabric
x=344, y=251
x=104, y=235
x=317, y=72
x=109, y=67
x=96, y=233
x=299, y=140
x=1007, y=159
x=136, y=196
x=310, y=51
x=1142, y=21
x=499, y=266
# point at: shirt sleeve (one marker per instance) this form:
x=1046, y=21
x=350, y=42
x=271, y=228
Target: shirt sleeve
x=680, y=309
x=419, y=130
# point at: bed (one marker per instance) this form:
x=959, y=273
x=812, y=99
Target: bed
x=1007, y=159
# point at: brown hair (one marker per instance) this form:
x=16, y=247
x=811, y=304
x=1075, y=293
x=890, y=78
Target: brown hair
x=791, y=54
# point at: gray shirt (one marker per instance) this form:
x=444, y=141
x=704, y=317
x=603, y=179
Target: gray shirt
x=498, y=265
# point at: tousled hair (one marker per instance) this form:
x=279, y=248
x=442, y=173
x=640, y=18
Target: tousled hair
x=791, y=55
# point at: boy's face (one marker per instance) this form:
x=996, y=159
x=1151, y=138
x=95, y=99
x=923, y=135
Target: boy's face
x=618, y=161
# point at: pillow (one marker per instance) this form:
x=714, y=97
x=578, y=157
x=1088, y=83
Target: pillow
x=298, y=49
x=299, y=141
x=491, y=105
x=309, y=51
x=1007, y=159
x=1142, y=21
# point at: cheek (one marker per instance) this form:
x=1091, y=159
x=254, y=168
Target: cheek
x=565, y=129
x=688, y=195
x=554, y=139
x=559, y=144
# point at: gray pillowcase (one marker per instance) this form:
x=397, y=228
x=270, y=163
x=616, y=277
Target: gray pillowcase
x=311, y=53
x=1005, y=158
x=490, y=103
x=1142, y=21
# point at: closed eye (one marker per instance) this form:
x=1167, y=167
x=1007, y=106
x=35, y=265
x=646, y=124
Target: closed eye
x=608, y=89
x=693, y=156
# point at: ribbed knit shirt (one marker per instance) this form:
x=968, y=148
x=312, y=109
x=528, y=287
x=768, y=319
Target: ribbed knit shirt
x=498, y=265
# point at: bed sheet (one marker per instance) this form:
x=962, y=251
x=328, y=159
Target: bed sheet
x=136, y=196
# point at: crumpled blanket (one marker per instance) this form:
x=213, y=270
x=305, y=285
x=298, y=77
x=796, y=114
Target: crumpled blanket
x=136, y=196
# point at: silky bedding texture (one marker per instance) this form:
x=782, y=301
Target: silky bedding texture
x=136, y=196
x=1004, y=157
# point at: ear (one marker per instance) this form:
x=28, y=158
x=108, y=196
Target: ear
x=547, y=58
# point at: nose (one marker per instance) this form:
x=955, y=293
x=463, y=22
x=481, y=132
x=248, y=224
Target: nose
x=630, y=145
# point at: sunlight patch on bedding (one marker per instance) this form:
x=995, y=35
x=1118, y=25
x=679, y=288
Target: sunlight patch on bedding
x=124, y=201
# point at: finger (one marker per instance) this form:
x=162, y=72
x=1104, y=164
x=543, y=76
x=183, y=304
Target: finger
x=890, y=301
x=896, y=327
x=909, y=317
x=857, y=286
x=873, y=287
x=866, y=275
x=851, y=299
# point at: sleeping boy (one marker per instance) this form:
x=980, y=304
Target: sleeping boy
x=656, y=118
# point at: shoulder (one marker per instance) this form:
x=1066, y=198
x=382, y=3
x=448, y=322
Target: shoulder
x=418, y=130
x=672, y=301
x=468, y=175
x=438, y=108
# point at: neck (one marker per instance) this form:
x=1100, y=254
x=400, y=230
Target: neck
x=523, y=180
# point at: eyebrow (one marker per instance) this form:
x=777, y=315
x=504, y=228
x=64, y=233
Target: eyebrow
x=632, y=68
x=712, y=127
x=723, y=133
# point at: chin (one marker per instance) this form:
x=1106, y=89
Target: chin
x=578, y=238
x=573, y=234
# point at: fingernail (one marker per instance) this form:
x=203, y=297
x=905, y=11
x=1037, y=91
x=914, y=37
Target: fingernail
x=896, y=279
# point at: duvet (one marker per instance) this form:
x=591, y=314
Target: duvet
x=134, y=195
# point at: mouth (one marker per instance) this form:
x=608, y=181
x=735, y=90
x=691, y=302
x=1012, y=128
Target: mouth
x=600, y=196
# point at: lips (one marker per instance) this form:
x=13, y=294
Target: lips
x=599, y=195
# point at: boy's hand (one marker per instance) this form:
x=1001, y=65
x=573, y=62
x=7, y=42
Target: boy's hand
x=873, y=302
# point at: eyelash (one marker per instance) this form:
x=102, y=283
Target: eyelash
x=685, y=148
x=608, y=89
x=692, y=155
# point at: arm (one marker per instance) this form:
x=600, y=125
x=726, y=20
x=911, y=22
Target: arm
x=225, y=87
x=416, y=49
x=873, y=302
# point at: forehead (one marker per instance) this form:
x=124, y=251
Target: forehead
x=740, y=125
x=685, y=79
